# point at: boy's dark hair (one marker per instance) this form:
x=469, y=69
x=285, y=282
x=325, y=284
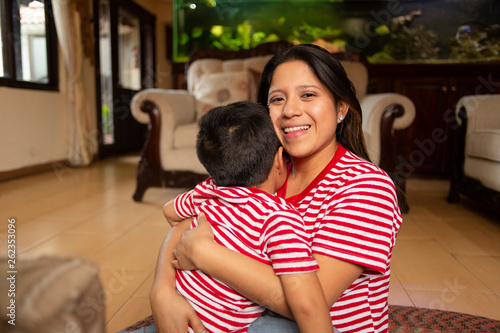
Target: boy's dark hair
x=237, y=144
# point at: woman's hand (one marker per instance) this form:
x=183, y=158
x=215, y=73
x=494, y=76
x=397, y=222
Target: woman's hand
x=172, y=312
x=192, y=243
x=196, y=249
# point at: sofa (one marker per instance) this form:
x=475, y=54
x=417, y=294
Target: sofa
x=216, y=77
x=476, y=168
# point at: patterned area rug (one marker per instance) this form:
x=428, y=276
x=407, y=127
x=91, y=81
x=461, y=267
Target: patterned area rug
x=403, y=319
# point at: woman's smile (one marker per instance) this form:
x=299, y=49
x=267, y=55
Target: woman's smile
x=303, y=111
x=295, y=129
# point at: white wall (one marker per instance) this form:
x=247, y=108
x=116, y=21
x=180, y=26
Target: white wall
x=33, y=124
x=32, y=127
x=32, y=130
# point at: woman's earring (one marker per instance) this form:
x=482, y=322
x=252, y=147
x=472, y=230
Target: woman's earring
x=341, y=117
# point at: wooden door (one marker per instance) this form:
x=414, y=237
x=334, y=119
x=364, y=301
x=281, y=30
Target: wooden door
x=126, y=53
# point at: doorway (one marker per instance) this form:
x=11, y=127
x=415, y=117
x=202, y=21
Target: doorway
x=125, y=49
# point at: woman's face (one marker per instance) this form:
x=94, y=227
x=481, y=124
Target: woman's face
x=303, y=111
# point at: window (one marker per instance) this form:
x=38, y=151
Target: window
x=29, y=50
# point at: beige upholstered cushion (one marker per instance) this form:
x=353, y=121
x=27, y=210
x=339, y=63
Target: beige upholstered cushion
x=358, y=74
x=253, y=84
x=215, y=82
x=484, y=144
x=482, y=160
x=236, y=65
x=482, y=111
x=199, y=68
x=482, y=141
x=256, y=63
x=185, y=135
x=183, y=159
x=220, y=89
x=486, y=171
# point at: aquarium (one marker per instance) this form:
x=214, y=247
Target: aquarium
x=384, y=31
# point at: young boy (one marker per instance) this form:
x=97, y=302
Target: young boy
x=238, y=146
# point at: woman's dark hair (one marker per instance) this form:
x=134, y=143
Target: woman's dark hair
x=332, y=74
x=237, y=144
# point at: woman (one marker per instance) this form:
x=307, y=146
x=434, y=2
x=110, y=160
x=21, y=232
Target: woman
x=349, y=207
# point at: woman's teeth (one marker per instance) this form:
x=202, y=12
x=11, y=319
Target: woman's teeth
x=296, y=128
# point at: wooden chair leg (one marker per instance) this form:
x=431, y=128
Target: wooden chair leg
x=454, y=192
x=139, y=192
x=149, y=172
x=148, y=175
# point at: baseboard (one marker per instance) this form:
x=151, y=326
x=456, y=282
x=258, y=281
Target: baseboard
x=33, y=169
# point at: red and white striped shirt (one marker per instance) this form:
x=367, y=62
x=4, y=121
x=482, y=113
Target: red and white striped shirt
x=250, y=221
x=351, y=212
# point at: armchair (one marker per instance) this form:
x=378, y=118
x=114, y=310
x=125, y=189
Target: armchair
x=217, y=77
x=476, y=172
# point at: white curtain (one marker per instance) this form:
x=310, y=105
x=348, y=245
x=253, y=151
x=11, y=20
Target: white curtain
x=82, y=132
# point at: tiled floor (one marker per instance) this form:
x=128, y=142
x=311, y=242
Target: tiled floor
x=446, y=257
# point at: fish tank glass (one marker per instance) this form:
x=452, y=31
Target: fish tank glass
x=384, y=31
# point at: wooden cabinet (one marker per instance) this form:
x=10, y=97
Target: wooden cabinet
x=425, y=147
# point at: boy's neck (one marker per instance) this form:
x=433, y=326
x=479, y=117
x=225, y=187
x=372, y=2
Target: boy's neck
x=266, y=186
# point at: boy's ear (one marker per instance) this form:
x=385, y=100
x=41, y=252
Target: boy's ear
x=279, y=159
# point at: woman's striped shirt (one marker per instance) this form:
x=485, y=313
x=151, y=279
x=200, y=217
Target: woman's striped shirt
x=351, y=213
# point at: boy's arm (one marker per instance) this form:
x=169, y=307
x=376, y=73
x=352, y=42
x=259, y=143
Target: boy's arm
x=179, y=208
x=306, y=299
x=170, y=213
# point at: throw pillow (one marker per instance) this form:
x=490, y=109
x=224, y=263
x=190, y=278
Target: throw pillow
x=218, y=89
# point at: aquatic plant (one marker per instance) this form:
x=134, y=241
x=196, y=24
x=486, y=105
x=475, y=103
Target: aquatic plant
x=471, y=43
x=306, y=33
x=244, y=37
x=407, y=42
x=328, y=38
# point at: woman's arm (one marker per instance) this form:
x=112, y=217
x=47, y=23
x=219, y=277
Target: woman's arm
x=256, y=281
x=336, y=276
x=171, y=311
x=251, y=278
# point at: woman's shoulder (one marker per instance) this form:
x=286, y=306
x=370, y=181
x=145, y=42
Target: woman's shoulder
x=351, y=171
x=349, y=162
x=354, y=177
